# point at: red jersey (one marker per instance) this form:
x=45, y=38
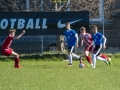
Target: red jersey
x=7, y=42
x=87, y=38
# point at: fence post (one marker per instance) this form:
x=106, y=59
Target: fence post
x=27, y=5
x=41, y=5
x=42, y=44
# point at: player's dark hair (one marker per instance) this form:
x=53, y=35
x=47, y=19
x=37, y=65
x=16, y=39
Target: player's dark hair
x=94, y=26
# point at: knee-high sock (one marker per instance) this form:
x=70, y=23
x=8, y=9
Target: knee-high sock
x=104, y=56
x=16, y=62
x=100, y=58
x=70, y=58
x=94, y=60
x=89, y=59
x=76, y=56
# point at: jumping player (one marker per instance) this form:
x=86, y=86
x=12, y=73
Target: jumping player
x=72, y=41
x=98, y=39
x=7, y=51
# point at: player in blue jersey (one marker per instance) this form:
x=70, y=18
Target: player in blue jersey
x=99, y=40
x=72, y=41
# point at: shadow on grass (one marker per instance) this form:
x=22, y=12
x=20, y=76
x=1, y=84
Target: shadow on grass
x=47, y=57
x=53, y=57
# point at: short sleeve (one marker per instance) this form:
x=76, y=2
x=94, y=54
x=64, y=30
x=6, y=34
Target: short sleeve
x=74, y=33
x=100, y=34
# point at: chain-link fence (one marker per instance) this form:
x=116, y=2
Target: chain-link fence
x=37, y=44
x=111, y=7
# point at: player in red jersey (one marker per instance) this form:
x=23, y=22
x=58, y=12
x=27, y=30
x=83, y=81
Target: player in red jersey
x=87, y=38
x=7, y=51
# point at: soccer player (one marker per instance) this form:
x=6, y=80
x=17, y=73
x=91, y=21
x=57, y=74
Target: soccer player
x=98, y=39
x=86, y=38
x=72, y=41
x=7, y=51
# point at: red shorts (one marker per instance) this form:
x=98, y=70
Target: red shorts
x=7, y=52
x=88, y=49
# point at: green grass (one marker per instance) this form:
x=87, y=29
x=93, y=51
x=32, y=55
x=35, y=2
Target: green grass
x=56, y=75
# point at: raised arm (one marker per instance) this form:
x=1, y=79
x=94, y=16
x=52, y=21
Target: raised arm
x=20, y=35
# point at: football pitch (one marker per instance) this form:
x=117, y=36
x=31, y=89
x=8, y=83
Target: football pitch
x=56, y=75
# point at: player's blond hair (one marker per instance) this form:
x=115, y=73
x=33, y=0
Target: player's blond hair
x=12, y=30
x=67, y=23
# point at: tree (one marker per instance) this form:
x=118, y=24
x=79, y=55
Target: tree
x=57, y=2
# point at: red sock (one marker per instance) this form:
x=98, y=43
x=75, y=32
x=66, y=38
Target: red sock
x=16, y=62
x=104, y=56
x=88, y=59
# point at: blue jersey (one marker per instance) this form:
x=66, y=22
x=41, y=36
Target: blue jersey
x=97, y=38
x=70, y=37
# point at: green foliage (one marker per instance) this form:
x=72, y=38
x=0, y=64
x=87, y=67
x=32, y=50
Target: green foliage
x=116, y=55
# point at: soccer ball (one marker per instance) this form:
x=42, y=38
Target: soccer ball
x=81, y=65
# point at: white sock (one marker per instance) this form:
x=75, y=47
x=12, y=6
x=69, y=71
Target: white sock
x=70, y=58
x=94, y=60
x=76, y=56
x=100, y=58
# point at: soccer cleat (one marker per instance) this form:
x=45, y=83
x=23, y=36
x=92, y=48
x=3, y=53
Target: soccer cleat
x=90, y=65
x=106, y=62
x=17, y=66
x=93, y=67
x=69, y=64
x=109, y=61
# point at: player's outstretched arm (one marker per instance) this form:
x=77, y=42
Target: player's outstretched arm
x=76, y=36
x=81, y=43
x=92, y=43
x=104, y=41
x=20, y=34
